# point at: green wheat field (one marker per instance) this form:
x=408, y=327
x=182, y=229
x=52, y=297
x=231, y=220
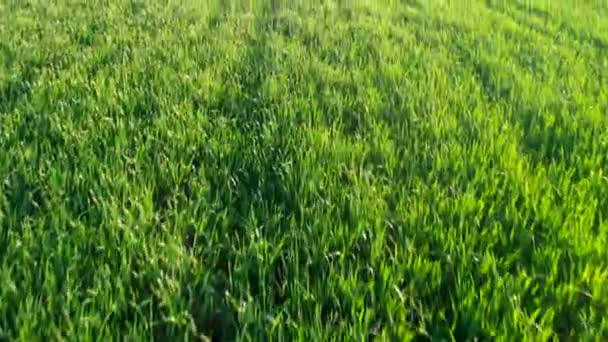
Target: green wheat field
x=328, y=170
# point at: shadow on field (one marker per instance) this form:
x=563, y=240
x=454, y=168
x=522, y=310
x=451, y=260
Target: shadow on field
x=544, y=142
x=464, y=46
x=415, y=4
x=17, y=90
x=520, y=14
x=531, y=10
x=248, y=179
x=577, y=35
x=547, y=143
x=257, y=179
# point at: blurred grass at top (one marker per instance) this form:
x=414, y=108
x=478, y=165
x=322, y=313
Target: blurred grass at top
x=303, y=170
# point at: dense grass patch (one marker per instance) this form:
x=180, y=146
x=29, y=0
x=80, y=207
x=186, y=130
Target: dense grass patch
x=303, y=170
